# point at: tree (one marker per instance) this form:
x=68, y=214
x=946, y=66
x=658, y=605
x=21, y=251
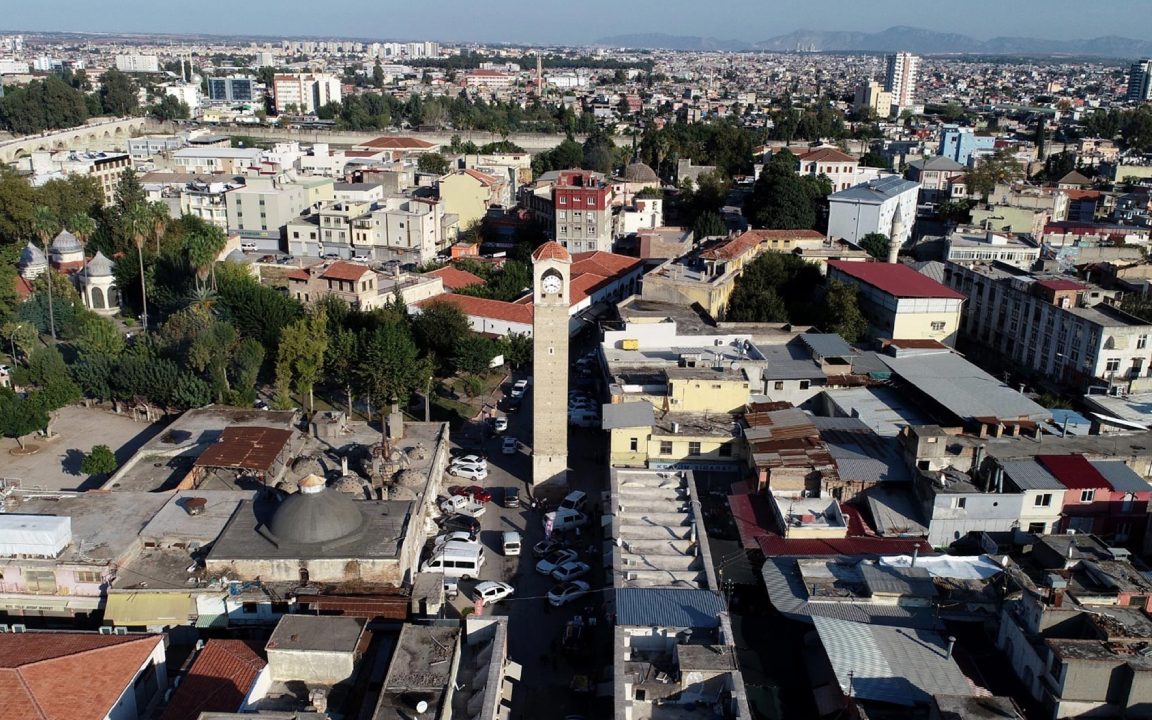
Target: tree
x=210, y=351
x=1041, y=139
x=707, y=225
x=246, y=362
x=20, y=338
x=877, y=245
x=117, y=94
x=99, y=336
x=389, y=368
x=46, y=224
x=138, y=225
x=781, y=199
x=775, y=287
x=1002, y=167
x=302, y=346
x=872, y=159
x=100, y=461
x=202, y=244
x=517, y=350
x=474, y=355
x=169, y=108
x=256, y=310
x=41, y=105
x=341, y=360
x=432, y=163
x=20, y=416
x=841, y=311
x=378, y=76
x=439, y=328
x=82, y=226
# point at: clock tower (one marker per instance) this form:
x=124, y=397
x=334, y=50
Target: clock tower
x=551, y=272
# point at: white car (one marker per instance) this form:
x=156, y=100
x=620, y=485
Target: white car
x=570, y=571
x=510, y=446
x=501, y=424
x=519, y=388
x=549, y=563
x=469, y=460
x=490, y=591
x=5, y=370
x=472, y=472
x=565, y=593
x=456, y=538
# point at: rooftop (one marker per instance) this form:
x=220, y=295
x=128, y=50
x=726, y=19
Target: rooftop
x=246, y=448
x=422, y=660
x=218, y=681
x=875, y=192
x=317, y=633
x=895, y=279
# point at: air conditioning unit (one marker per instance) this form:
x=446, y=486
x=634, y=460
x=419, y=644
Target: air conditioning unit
x=3, y=628
x=105, y=629
x=19, y=628
x=120, y=631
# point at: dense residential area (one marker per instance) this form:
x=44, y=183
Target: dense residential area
x=651, y=379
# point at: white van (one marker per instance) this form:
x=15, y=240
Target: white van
x=575, y=500
x=456, y=562
x=248, y=245
x=511, y=544
x=584, y=419
x=565, y=519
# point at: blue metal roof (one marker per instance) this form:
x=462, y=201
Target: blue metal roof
x=668, y=607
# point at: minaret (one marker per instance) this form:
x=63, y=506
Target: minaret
x=896, y=236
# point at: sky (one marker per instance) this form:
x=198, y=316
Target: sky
x=583, y=21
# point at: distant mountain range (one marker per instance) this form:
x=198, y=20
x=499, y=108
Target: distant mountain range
x=908, y=39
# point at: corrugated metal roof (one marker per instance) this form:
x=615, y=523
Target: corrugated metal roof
x=249, y=448
x=876, y=191
x=962, y=388
x=628, y=415
x=827, y=344
x=1074, y=472
x=913, y=581
x=1121, y=477
x=1029, y=475
x=668, y=607
x=904, y=666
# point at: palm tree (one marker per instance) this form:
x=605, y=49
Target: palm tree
x=138, y=225
x=158, y=215
x=203, y=244
x=45, y=224
x=82, y=226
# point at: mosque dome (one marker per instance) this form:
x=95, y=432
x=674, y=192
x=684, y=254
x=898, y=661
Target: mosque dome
x=66, y=243
x=314, y=515
x=99, y=266
x=638, y=172
x=32, y=256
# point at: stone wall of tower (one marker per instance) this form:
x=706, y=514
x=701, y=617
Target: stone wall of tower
x=550, y=376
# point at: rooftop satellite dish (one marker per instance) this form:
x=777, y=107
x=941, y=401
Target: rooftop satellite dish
x=422, y=707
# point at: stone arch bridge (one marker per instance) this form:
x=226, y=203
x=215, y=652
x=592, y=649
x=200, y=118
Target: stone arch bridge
x=97, y=135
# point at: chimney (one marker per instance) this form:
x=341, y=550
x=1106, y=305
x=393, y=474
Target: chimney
x=915, y=553
x=344, y=465
x=951, y=644
x=195, y=505
x=318, y=698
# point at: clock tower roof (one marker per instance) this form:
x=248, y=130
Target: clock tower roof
x=551, y=250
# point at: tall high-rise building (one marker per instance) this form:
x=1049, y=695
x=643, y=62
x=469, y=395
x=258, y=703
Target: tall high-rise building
x=900, y=81
x=1140, y=81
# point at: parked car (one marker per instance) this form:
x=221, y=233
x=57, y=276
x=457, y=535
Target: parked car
x=550, y=562
x=461, y=452
x=451, y=588
x=490, y=591
x=575, y=500
x=472, y=472
x=475, y=492
x=460, y=537
x=462, y=505
x=470, y=459
x=510, y=446
x=565, y=593
x=500, y=424
x=512, y=406
x=570, y=571
x=460, y=523
x=512, y=544
x=545, y=547
x=519, y=388
x=511, y=497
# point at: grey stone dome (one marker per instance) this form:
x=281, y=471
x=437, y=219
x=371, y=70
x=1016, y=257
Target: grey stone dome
x=238, y=256
x=314, y=515
x=66, y=243
x=638, y=172
x=32, y=256
x=99, y=266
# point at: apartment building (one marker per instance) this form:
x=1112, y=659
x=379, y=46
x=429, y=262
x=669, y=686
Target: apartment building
x=842, y=169
x=407, y=230
x=968, y=245
x=872, y=95
x=900, y=303
x=900, y=80
x=259, y=210
x=214, y=160
x=1067, y=331
x=582, y=202
x=874, y=207
x=303, y=93
x=138, y=63
x=234, y=88
x=938, y=177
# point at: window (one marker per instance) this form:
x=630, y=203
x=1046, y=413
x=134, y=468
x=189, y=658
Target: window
x=634, y=444
x=1123, y=530
x=1037, y=528
x=725, y=450
x=563, y=200
x=937, y=327
x=1044, y=500
x=693, y=448
x=1113, y=365
x=86, y=576
x=280, y=608
x=1141, y=342
x=959, y=503
x=779, y=384
x=40, y=581
x=249, y=608
x=805, y=384
x=665, y=447
x=1087, y=496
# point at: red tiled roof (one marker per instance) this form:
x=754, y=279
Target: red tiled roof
x=827, y=155
x=24, y=288
x=68, y=676
x=341, y=270
x=599, y=262
x=218, y=681
x=584, y=285
x=299, y=274
x=484, y=178
x=483, y=307
x=1074, y=472
x=551, y=250
x=733, y=248
x=895, y=279
x=397, y=143
x=360, y=153
x=455, y=279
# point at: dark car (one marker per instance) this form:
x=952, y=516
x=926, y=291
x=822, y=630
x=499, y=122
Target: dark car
x=513, y=406
x=460, y=523
x=475, y=492
x=511, y=497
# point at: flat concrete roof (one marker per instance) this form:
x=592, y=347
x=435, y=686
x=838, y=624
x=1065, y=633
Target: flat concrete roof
x=173, y=523
x=317, y=633
x=422, y=659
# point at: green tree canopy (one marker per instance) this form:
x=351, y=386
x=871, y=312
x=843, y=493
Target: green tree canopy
x=841, y=311
x=877, y=245
x=432, y=163
x=781, y=199
x=100, y=461
x=117, y=94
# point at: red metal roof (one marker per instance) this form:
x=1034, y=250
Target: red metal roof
x=372, y=607
x=249, y=448
x=1074, y=472
x=773, y=545
x=1060, y=285
x=895, y=279
x=219, y=680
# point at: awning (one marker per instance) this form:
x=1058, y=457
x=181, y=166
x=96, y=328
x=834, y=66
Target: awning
x=213, y=620
x=149, y=609
x=33, y=602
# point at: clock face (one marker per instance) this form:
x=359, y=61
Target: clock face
x=551, y=284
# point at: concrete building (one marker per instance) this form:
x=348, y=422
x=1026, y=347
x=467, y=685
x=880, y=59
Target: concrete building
x=842, y=169
x=937, y=176
x=261, y=209
x=901, y=79
x=964, y=145
x=315, y=650
x=967, y=246
x=1140, y=81
x=1068, y=331
x=406, y=230
x=874, y=207
x=138, y=63
x=583, y=213
x=304, y=93
x=901, y=303
x=873, y=96
x=232, y=89
x=953, y=506
x=551, y=270
x=469, y=193
x=105, y=167
x=217, y=160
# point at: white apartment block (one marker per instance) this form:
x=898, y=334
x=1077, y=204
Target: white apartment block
x=138, y=63
x=842, y=169
x=900, y=81
x=305, y=92
x=1068, y=331
x=410, y=231
x=872, y=208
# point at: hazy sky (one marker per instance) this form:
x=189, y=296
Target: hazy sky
x=583, y=21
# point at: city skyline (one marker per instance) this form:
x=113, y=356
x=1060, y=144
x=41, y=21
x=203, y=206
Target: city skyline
x=460, y=21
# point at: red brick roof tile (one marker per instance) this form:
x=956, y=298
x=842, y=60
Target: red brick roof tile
x=347, y=271
x=483, y=307
x=218, y=681
x=827, y=155
x=397, y=143
x=455, y=279
x=551, y=250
